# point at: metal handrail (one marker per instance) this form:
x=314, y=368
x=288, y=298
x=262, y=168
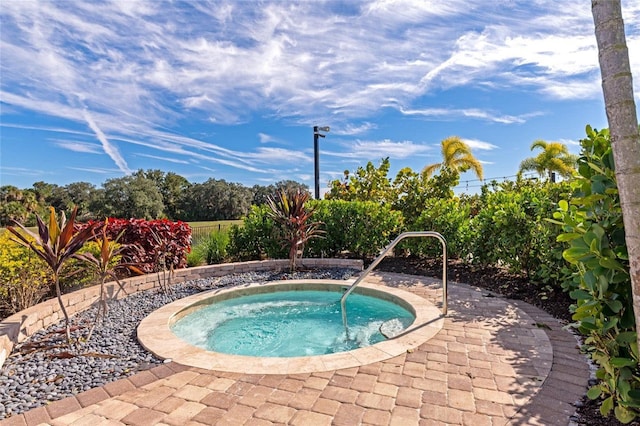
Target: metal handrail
x=386, y=251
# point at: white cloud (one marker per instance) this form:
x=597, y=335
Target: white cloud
x=381, y=149
x=451, y=114
x=140, y=69
x=20, y=171
x=156, y=157
x=264, y=138
x=352, y=129
x=480, y=145
x=83, y=147
x=97, y=170
x=569, y=142
x=279, y=155
x=110, y=149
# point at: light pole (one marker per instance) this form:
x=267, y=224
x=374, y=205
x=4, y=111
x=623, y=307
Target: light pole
x=316, y=156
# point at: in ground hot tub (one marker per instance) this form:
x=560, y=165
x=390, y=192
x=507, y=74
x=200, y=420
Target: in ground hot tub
x=250, y=329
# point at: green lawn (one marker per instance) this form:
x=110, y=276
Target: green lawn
x=214, y=223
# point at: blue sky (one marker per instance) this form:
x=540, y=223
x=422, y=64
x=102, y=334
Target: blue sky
x=231, y=90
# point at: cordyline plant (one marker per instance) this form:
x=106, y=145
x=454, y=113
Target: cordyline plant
x=162, y=259
x=56, y=243
x=106, y=266
x=289, y=211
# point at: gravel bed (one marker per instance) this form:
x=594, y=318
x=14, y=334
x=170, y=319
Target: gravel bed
x=43, y=369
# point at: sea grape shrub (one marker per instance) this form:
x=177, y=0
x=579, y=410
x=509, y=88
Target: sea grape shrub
x=510, y=228
x=451, y=219
x=359, y=229
x=24, y=277
x=352, y=228
x=593, y=228
x=147, y=241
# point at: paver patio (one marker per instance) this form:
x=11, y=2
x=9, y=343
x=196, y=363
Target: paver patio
x=495, y=362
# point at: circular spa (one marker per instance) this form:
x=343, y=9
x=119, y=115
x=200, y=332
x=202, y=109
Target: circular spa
x=289, y=327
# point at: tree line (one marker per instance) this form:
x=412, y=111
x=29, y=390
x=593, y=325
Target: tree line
x=148, y=194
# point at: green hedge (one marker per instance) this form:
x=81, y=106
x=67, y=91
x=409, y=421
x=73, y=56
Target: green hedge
x=353, y=228
x=511, y=230
x=450, y=218
x=357, y=229
x=256, y=238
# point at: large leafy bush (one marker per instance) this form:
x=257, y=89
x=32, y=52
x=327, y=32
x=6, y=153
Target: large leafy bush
x=510, y=229
x=24, y=277
x=256, y=238
x=152, y=245
x=593, y=228
x=352, y=228
x=358, y=229
x=450, y=218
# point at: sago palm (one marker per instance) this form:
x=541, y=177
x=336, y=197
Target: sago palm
x=555, y=157
x=457, y=157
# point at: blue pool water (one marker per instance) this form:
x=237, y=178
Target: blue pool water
x=288, y=324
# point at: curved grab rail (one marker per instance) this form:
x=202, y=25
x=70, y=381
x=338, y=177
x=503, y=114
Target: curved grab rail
x=382, y=255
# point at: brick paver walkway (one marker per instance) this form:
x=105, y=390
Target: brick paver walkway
x=495, y=362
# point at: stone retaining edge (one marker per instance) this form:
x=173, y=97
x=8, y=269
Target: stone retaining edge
x=19, y=326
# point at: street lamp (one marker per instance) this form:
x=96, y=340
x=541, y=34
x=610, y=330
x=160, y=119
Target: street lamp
x=316, y=156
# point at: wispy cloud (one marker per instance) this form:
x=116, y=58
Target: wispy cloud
x=381, y=149
x=279, y=155
x=157, y=157
x=97, y=170
x=110, y=149
x=452, y=114
x=480, y=145
x=265, y=138
x=569, y=142
x=87, y=148
x=44, y=129
x=353, y=129
x=133, y=71
x=20, y=171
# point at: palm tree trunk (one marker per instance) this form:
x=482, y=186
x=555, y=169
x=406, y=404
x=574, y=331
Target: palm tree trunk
x=617, y=87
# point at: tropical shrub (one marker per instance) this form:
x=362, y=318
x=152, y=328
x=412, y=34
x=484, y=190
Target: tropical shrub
x=413, y=190
x=56, y=242
x=510, y=229
x=24, y=277
x=369, y=183
x=448, y=217
x=195, y=257
x=256, y=238
x=593, y=228
x=290, y=211
x=152, y=245
x=104, y=264
x=75, y=273
x=358, y=229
